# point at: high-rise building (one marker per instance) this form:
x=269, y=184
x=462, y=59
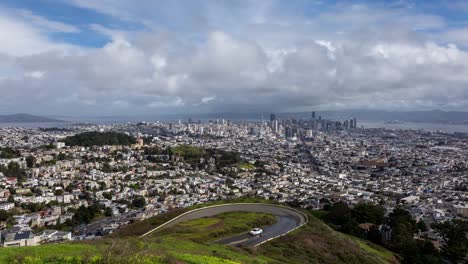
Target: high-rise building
x=354, y=123
x=273, y=123
x=313, y=115
x=272, y=117
x=274, y=126
x=288, y=132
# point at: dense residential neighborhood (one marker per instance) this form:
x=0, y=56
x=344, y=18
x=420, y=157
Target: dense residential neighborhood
x=72, y=184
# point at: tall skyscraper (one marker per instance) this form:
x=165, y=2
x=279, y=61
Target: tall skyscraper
x=274, y=126
x=313, y=115
x=354, y=123
x=288, y=133
x=273, y=123
x=272, y=117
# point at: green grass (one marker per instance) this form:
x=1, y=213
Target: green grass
x=196, y=259
x=318, y=243
x=188, y=152
x=194, y=242
x=63, y=250
x=222, y=225
x=141, y=227
x=320, y=214
x=374, y=249
x=246, y=166
x=191, y=242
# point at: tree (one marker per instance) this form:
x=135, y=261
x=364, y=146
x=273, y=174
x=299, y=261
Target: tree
x=88, y=139
x=85, y=214
x=401, y=216
x=30, y=161
x=107, y=195
x=108, y=211
x=82, y=215
x=106, y=167
x=455, y=235
x=13, y=170
x=139, y=202
x=368, y=213
x=4, y=215
x=9, y=153
x=339, y=213
x=421, y=225
x=403, y=228
x=62, y=156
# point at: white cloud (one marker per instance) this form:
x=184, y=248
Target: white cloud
x=260, y=65
x=20, y=37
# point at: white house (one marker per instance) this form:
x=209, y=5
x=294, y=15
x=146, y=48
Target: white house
x=7, y=206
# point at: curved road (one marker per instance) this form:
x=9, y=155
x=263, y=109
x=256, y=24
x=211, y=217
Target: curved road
x=288, y=219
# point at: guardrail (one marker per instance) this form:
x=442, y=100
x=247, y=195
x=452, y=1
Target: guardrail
x=306, y=219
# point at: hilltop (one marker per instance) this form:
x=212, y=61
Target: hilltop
x=89, y=139
x=26, y=118
x=194, y=242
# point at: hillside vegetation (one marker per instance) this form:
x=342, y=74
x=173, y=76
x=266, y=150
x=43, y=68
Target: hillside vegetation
x=89, y=139
x=194, y=242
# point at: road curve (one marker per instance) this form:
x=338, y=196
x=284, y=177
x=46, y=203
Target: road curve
x=288, y=220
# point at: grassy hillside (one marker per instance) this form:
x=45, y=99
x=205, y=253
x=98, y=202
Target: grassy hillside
x=318, y=243
x=193, y=242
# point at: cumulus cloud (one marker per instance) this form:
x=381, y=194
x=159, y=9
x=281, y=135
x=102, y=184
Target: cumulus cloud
x=359, y=60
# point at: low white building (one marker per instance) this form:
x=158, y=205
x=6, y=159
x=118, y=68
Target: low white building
x=21, y=239
x=7, y=206
x=55, y=235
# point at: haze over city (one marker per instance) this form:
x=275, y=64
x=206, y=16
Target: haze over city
x=97, y=57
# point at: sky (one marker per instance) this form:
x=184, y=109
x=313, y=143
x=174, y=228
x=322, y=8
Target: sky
x=127, y=57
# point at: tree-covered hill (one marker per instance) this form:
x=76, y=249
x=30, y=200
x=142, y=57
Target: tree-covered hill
x=89, y=139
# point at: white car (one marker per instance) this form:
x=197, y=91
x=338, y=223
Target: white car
x=256, y=231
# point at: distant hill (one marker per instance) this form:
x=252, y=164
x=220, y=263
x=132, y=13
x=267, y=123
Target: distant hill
x=26, y=118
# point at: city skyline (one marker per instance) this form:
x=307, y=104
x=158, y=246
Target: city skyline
x=114, y=58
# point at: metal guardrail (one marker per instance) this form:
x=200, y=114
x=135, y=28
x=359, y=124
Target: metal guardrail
x=306, y=219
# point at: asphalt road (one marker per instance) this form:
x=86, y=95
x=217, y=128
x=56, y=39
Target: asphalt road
x=95, y=227
x=287, y=219
x=283, y=224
